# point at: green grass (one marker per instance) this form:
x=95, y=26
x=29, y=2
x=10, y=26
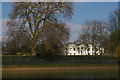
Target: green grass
x=61, y=72
x=59, y=65
x=32, y=61
x=80, y=67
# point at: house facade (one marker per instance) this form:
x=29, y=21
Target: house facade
x=80, y=49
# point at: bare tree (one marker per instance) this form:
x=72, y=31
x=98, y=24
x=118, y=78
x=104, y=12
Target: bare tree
x=0, y=46
x=32, y=18
x=113, y=21
x=114, y=38
x=94, y=32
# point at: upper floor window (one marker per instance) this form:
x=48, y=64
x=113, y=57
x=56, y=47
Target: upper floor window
x=78, y=48
x=81, y=47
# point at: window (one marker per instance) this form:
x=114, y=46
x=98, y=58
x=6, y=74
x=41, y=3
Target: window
x=78, y=51
x=74, y=49
x=88, y=49
x=74, y=53
x=81, y=51
x=81, y=47
x=78, y=48
x=88, y=53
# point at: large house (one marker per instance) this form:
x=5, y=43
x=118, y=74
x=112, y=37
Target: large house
x=80, y=49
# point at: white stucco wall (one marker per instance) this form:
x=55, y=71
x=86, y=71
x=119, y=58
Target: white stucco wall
x=72, y=49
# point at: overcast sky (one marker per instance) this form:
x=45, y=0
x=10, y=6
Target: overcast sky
x=82, y=11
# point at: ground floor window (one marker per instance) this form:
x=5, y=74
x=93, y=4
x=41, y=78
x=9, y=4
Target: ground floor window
x=74, y=53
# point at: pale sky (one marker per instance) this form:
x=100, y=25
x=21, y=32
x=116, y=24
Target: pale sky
x=82, y=11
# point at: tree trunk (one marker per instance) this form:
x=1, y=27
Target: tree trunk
x=33, y=50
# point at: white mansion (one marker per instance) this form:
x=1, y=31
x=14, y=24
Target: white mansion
x=76, y=49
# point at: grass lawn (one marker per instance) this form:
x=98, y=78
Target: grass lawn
x=57, y=71
x=60, y=72
x=73, y=68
